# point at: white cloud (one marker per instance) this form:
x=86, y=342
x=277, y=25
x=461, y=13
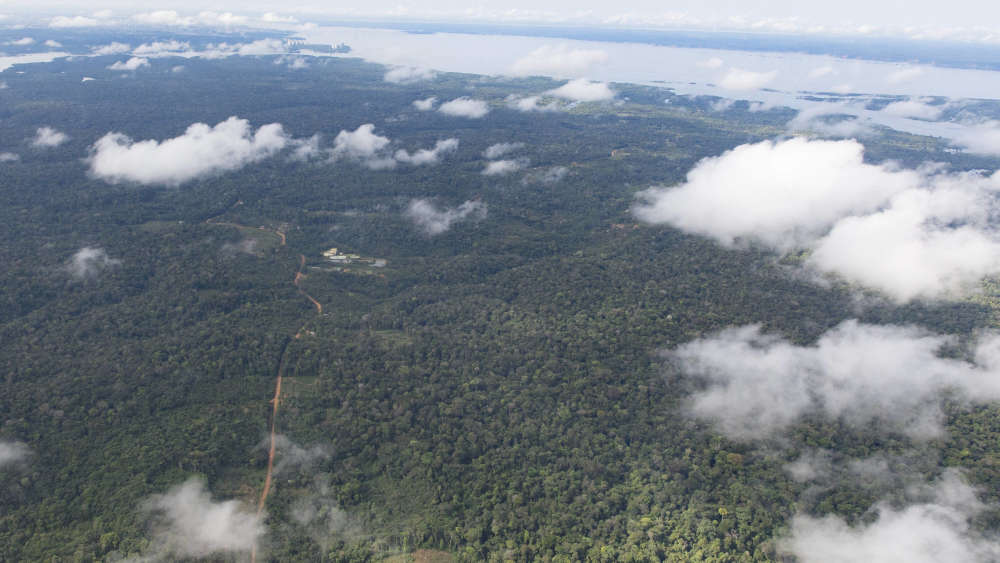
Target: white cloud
x=779, y=193
x=163, y=17
x=499, y=149
x=113, y=48
x=714, y=62
x=132, y=64
x=427, y=156
x=88, y=262
x=983, y=138
x=830, y=120
x=47, y=137
x=292, y=457
x=12, y=453
x=74, y=21
x=52, y=43
x=908, y=233
x=531, y=103
x=9, y=157
x=433, y=221
x=465, y=107
x=189, y=524
x=756, y=384
x=932, y=530
x=362, y=144
x=200, y=151
x=167, y=48
x=930, y=243
x=549, y=176
x=408, y=75
x=739, y=79
x=271, y=17
x=582, y=90
x=504, y=167
x=913, y=108
x=558, y=61
x=426, y=104
x=24, y=41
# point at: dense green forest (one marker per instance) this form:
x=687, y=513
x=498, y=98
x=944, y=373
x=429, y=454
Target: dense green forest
x=492, y=393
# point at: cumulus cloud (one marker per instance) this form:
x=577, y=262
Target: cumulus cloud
x=559, y=61
x=914, y=108
x=113, y=48
x=202, y=150
x=24, y=41
x=548, y=176
x=434, y=221
x=88, y=262
x=532, y=103
x=504, y=167
x=582, y=90
x=929, y=243
x=133, y=63
x=740, y=79
x=408, y=75
x=9, y=157
x=47, y=137
x=12, y=453
x=171, y=47
x=362, y=145
x=52, y=43
x=189, y=524
x=499, y=149
x=779, y=193
x=426, y=104
x=74, y=21
x=427, y=156
x=757, y=384
x=933, y=529
x=908, y=233
x=465, y=107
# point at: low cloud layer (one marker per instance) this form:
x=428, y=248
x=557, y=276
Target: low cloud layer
x=533, y=103
x=131, y=64
x=88, y=262
x=408, y=75
x=558, y=61
x=982, y=138
x=47, y=138
x=908, y=233
x=427, y=156
x=504, y=167
x=583, y=90
x=433, y=221
x=931, y=530
x=755, y=385
x=13, y=453
x=499, y=149
x=914, y=109
x=201, y=151
x=188, y=523
x=426, y=104
x=465, y=107
x=371, y=150
x=547, y=176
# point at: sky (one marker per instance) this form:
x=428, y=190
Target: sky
x=963, y=19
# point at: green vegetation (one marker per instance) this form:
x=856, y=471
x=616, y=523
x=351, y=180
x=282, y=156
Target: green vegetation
x=493, y=394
